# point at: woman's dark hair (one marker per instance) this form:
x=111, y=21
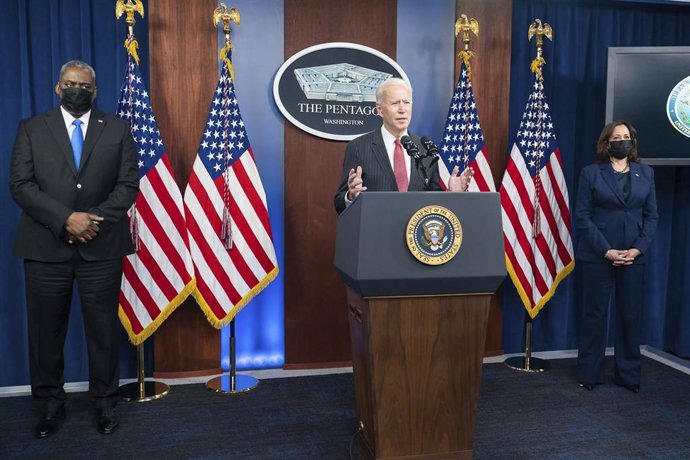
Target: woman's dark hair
x=603, y=142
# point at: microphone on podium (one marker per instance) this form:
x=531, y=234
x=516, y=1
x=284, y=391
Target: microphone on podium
x=410, y=147
x=414, y=152
x=431, y=149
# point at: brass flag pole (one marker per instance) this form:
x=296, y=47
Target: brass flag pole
x=230, y=382
x=141, y=390
x=466, y=25
x=528, y=363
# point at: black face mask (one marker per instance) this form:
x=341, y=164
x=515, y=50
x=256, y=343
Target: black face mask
x=76, y=100
x=620, y=149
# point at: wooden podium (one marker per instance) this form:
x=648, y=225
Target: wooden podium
x=418, y=330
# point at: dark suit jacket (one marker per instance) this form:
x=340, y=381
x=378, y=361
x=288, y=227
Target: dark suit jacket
x=606, y=220
x=45, y=183
x=369, y=152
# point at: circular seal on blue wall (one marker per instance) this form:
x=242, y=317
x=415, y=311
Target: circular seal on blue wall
x=678, y=107
x=434, y=235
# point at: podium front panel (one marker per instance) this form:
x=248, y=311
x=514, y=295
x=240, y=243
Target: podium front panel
x=373, y=257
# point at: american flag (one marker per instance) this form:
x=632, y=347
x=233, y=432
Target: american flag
x=159, y=275
x=227, y=216
x=534, y=203
x=463, y=142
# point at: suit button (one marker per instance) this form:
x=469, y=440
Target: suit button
x=78, y=185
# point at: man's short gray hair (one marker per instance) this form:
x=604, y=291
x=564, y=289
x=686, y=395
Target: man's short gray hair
x=390, y=82
x=78, y=65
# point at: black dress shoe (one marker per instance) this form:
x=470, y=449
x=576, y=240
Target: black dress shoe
x=635, y=388
x=108, y=420
x=587, y=386
x=50, y=423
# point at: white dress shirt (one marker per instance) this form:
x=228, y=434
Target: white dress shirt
x=389, y=142
x=69, y=119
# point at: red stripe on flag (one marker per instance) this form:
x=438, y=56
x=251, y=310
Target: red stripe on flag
x=554, y=230
x=155, y=272
x=174, y=209
x=210, y=298
x=241, y=223
x=170, y=252
x=560, y=199
x=517, y=269
x=561, y=216
x=549, y=261
x=478, y=178
x=136, y=326
x=519, y=183
x=254, y=196
x=213, y=262
x=523, y=240
x=140, y=290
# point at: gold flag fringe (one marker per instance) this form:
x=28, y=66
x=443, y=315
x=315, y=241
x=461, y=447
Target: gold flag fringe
x=224, y=57
x=534, y=310
x=131, y=45
x=465, y=56
x=536, y=64
x=138, y=339
x=219, y=323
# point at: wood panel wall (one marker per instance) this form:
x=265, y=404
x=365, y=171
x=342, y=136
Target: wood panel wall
x=316, y=327
x=184, y=69
x=491, y=84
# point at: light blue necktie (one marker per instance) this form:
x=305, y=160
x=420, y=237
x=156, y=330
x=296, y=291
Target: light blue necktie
x=77, y=142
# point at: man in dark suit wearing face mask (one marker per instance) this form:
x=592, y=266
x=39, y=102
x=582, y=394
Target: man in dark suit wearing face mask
x=74, y=174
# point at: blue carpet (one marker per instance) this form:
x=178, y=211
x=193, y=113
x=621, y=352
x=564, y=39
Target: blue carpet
x=520, y=416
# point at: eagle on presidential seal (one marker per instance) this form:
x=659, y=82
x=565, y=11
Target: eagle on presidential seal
x=434, y=234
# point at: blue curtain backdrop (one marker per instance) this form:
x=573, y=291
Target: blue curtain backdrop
x=575, y=74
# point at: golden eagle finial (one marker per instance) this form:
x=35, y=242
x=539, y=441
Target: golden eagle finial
x=539, y=30
x=466, y=25
x=221, y=14
x=129, y=7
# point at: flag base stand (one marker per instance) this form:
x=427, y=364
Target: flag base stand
x=136, y=392
x=232, y=383
x=227, y=384
x=527, y=363
x=142, y=391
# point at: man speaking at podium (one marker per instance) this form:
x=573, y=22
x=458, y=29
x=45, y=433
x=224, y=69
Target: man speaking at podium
x=376, y=162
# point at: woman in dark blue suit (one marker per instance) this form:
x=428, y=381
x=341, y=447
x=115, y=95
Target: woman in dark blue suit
x=616, y=216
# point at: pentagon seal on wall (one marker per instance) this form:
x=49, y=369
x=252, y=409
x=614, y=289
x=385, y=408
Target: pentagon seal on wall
x=329, y=90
